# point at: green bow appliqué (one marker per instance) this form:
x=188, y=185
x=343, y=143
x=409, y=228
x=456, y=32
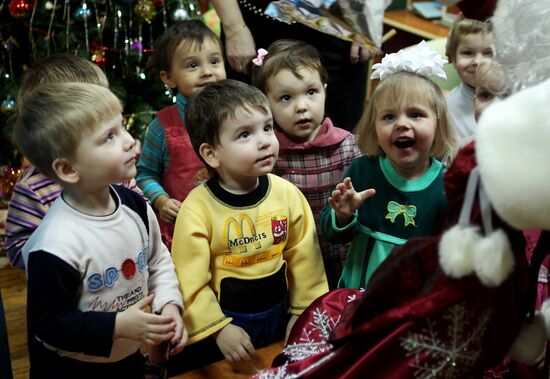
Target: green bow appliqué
x=408, y=212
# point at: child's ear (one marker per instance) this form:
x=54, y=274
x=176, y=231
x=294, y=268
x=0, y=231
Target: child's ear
x=208, y=153
x=167, y=79
x=325, y=87
x=65, y=170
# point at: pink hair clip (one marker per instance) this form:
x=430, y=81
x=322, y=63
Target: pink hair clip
x=259, y=60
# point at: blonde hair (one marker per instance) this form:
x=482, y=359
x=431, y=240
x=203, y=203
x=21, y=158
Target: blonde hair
x=460, y=28
x=51, y=121
x=63, y=67
x=402, y=88
x=490, y=75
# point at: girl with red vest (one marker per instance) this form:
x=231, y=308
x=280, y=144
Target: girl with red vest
x=188, y=55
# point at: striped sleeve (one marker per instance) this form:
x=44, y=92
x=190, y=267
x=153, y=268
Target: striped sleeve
x=32, y=196
x=153, y=161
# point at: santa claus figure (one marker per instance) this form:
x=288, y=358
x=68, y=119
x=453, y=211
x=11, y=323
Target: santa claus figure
x=456, y=304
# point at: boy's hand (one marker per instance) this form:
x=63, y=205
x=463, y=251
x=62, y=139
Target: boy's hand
x=289, y=326
x=158, y=354
x=345, y=200
x=136, y=324
x=235, y=344
x=180, y=333
x=168, y=209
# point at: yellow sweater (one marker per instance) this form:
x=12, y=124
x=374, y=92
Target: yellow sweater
x=247, y=237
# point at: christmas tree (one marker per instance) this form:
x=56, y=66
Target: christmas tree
x=117, y=35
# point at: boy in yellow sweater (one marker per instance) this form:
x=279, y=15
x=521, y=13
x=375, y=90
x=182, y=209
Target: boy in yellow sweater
x=245, y=245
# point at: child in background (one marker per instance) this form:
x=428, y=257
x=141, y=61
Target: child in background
x=490, y=86
x=96, y=258
x=313, y=153
x=245, y=234
x=34, y=192
x=395, y=192
x=468, y=45
x=188, y=55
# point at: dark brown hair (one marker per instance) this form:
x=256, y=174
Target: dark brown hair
x=287, y=54
x=217, y=102
x=193, y=31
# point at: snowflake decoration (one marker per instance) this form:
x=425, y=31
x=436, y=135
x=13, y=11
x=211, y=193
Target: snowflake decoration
x=314, y=337
x=280, y=373
x=449, y=357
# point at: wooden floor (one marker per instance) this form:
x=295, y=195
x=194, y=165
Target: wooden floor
x=14, y=295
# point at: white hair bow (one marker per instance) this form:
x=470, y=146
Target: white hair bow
x=420, y=59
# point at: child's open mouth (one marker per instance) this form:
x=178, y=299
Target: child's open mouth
x=404, y=143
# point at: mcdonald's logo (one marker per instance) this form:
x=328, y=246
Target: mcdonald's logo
x=243, y=237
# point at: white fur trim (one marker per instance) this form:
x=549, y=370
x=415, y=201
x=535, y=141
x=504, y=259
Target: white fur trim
x=513, y=154
x=545, y=311
x=455, y=251
x=521, y=48
x=529, y=344
x=493, y=259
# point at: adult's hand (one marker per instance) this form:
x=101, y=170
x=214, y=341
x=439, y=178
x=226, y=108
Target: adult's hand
x=239, y=44
x=359, y=54
x=239, y=48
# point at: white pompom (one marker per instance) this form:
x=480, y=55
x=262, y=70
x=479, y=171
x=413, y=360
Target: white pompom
x=456, y=251
x=530, y=342
x=493, y=259
x=512, y=150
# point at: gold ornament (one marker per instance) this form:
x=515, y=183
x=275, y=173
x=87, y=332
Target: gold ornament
x=145, y=9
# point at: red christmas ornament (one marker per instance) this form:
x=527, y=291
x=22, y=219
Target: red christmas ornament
x=99, y=59
x=20, y=9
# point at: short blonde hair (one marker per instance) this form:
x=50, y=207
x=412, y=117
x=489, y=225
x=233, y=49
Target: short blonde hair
x=62, y=67
x=402, y=88
x=51, y=121
x=491, y=75
x=460, y=28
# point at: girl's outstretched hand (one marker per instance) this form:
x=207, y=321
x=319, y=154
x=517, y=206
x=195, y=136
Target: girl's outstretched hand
x=345, y=200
